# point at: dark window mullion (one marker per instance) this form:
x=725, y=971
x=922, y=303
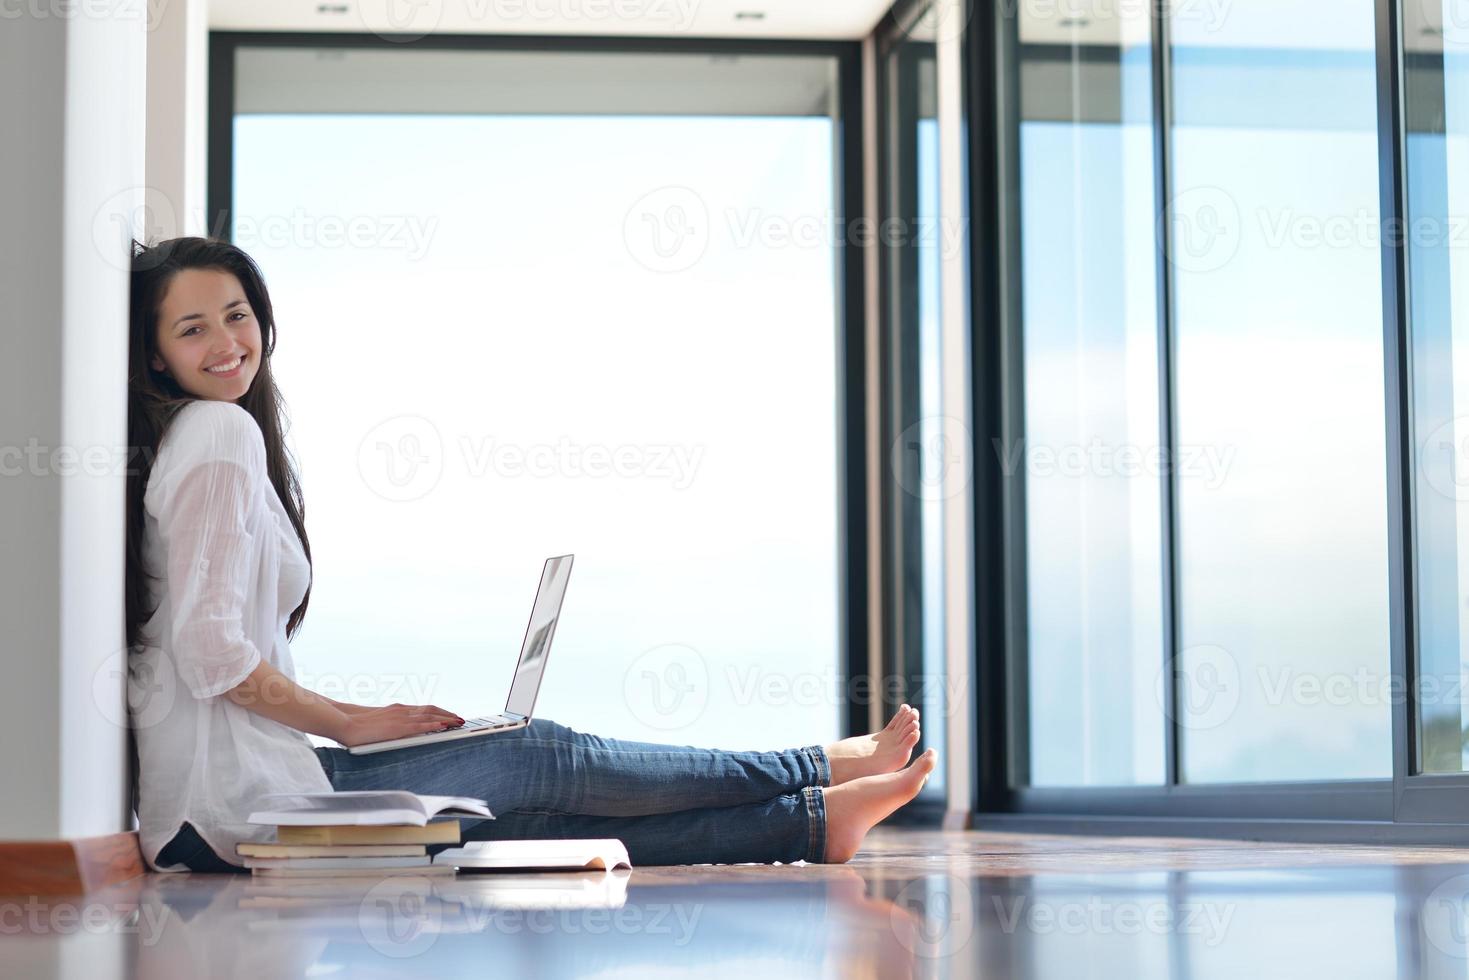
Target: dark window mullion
x=1397, y=385
x=1167, y=419
x=907, y=546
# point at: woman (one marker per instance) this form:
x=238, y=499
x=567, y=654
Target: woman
x=218, y=580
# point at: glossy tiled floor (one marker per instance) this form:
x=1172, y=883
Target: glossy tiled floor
x=916, y=904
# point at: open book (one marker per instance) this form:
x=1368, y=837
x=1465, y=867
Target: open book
x=536, y=855
x=363, y=807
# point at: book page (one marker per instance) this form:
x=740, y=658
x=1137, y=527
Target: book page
x=354, y=801
x=354, y=805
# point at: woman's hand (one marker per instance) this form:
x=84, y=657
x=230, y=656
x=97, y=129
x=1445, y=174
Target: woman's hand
x=395, y=721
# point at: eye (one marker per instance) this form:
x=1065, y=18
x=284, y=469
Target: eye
x=189, y=331
x=239, y=313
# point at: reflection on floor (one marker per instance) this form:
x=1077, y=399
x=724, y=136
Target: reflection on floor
x=914, y=903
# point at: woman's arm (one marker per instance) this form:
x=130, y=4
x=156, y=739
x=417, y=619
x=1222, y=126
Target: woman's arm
x=350, y=709
x=266, y=691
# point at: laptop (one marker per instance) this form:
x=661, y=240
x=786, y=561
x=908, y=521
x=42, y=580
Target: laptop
x=526, y=683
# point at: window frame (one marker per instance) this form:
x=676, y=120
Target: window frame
x=852, y=455
x=1408, y=807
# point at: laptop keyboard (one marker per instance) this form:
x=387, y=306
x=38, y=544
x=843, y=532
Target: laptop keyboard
x=475, y=724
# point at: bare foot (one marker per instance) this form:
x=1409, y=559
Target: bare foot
x=884, y=751
x=856, y=807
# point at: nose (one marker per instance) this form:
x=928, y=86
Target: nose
x=223, y=344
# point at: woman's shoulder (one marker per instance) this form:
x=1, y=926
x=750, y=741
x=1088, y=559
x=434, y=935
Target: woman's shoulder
x=202, y=433
x=206, y=430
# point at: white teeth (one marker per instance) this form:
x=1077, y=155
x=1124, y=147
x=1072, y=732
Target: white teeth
x=225, y=368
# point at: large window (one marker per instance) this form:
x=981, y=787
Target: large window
x=1199, y=511
x=544, y=302
x=1282, y=511
x=1088, y=456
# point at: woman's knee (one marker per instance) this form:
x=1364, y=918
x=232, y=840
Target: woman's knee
x=546, y=728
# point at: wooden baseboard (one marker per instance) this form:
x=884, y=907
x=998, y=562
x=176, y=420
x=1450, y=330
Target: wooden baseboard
x=69, y=867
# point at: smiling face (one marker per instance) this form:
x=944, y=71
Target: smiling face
x=204, y=323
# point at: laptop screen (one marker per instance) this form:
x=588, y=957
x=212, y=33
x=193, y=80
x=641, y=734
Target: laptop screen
x=538, y=636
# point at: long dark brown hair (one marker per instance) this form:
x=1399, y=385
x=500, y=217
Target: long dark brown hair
x=154, y=399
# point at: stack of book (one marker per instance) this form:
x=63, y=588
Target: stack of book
x=355, y=833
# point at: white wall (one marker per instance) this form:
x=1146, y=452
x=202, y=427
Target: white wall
x=71, y=171
x=178, y=97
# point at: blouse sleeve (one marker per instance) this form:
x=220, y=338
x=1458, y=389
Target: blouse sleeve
x=212, y=482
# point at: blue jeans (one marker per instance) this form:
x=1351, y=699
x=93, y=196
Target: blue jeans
x=668, y=804
x=190, y=850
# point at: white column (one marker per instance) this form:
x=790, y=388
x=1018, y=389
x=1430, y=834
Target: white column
x=71, y=172
x=958, y=420
x=177, y=135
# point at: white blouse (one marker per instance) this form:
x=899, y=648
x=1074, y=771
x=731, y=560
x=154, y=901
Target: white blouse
x=230, y=573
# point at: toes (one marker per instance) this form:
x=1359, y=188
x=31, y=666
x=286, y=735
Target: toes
x=906, y=720
x=902, y=726
x=909, y=740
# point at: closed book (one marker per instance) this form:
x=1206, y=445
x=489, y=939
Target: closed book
x=330, y=863
x=266, y=849
x=429, y=871
x=438, y=832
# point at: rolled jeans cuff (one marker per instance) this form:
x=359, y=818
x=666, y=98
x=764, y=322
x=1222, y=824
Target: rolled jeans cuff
x=815, y=802
x=822, y=764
